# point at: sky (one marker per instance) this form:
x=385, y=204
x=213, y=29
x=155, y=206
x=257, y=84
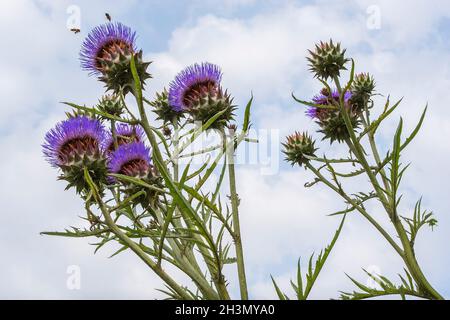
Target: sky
x=261, y=47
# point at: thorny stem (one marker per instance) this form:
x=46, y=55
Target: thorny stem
x=407, y=255
x=235, y=214
x=217, y=278
x=188, y=265
x=376, y=155
x=177, y=223
x=136, y=248
x=357, y=207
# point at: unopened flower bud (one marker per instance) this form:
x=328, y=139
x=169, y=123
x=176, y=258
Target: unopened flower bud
x=111, y=104
x=327, y=60
x=163, y=109
x=362, y=89
x=297, y=146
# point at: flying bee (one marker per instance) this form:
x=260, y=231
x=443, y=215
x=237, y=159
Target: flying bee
x=108, y=17
x=75, y=30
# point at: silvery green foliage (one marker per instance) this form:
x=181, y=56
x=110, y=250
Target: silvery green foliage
x=168, y=215
x=146, y=202
x=351, y=106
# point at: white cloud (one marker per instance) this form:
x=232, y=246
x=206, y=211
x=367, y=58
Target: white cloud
x=264, y=54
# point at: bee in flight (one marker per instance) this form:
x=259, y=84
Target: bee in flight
x=75, y=30
x=108, y=17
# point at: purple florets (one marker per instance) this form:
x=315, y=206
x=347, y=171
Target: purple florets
x=191, y=81
x=131, y=159
x=324, y=99
x=73, y=139
x=100, y=39
x=125, y=133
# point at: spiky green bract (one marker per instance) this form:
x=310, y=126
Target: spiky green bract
x=362, y=89
x=298, y=145
x=210, y=100
x=74, y=174
x=333, y=125
x=111, y=104
x=164, y=110
x=116, y=73
x=327, y=60
x=151, y=196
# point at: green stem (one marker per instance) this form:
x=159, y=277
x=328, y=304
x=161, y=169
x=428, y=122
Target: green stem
x=357, y=207
x=407, y=253
x=140, y=253
x=189, y=254
x=190, y=268
x=235, y=214
x=412, y=264
x=217, y=278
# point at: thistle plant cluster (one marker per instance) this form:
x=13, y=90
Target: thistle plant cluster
x=343, y=112
x=126, y=167
x=137, y=197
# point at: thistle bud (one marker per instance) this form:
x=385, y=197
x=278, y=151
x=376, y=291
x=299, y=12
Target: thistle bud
x=111, y=104
x=73, y=145
x=164, y=111
x=327, y=60
x=107, y=52
x=362, y=89
x=197, y=90
x=334, y=128
x=297, y=146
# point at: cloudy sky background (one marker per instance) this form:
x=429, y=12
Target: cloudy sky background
x=261, y=47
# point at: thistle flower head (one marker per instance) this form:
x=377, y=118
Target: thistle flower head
x=297, y=146
x=73, y=141
x=197, y=90
x=326, y=98
x=125, y=133
x=330, y=120
x=105, y=42
x=73, y=145
x=107, y=52
x=131, y=159
x=186, y=88
x=327, y=60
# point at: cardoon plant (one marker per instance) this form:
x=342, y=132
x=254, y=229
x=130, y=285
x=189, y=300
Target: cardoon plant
x=140, y=197
x=345, y=114
x=126, y=167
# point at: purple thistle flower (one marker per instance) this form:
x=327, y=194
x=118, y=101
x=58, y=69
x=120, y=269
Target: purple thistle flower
x=190, y=82
x=125, y=133
x=131, y=159
x=324, y=99
x=72, y=140
x=103, y=42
